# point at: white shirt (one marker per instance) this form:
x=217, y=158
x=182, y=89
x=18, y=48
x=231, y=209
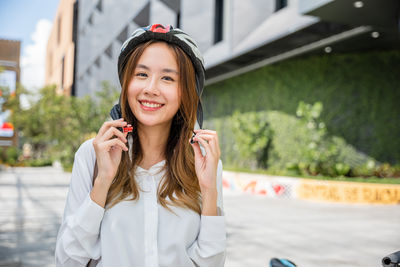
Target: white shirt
x=135, y=233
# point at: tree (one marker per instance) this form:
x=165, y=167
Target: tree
x=56, y=125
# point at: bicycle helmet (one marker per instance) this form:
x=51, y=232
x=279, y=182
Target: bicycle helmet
x=170, y=35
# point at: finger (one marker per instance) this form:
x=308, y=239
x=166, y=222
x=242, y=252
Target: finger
x=113, y=143
x=204, y=144
x=197, y=150
x=207, y=137
x=115, y=123
x=211, y=139
x=209, y=132
x=110, y=133
x=206, y=131
x=107, y=124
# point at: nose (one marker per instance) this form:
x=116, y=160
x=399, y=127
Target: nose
x=152, y=86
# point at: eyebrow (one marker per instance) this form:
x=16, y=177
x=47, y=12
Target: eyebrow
x=163, y=70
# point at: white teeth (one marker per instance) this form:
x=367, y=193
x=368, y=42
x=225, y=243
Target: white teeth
x=151, y=105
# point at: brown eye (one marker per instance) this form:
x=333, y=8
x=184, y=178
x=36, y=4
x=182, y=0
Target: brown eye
x=168, y=78
x=141, y=74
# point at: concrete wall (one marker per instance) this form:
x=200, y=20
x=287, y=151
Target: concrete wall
x=271, y=186
x=98, y=44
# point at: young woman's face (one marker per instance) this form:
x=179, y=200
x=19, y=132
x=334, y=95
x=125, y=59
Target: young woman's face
x=153, y=92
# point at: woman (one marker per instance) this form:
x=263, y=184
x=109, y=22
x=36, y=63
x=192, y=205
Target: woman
x=156, y=199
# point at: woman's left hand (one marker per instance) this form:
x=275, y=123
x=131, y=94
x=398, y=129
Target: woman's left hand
x=206, y=166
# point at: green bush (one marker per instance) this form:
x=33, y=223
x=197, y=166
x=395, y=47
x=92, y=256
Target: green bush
x=38, y=162
x=252, y=138
x=229, y=150
x=320, y=154
x=285, y=144
x=11, y=155
x=374, y=169
x=2, y=155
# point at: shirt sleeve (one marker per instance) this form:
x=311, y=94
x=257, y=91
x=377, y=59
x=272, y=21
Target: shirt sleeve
x=209, y=249
x=78, y=239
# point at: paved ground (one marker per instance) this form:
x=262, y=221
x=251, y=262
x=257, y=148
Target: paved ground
x=310, y=234
x=31, y=205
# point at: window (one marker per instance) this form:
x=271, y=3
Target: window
x=123, y=35
x=99, y=6
x=90, y=19
x=143, y=17
x=280, y=4
x=50, y=63
x=108, y=51
x=62, y=72
x=75, y=23
x=97, y=62
x=178, y=19
x=59, y=30
x=218, y=20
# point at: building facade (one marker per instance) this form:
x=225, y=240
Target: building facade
x=60, y=53
x=223, y=30
x=234, y=36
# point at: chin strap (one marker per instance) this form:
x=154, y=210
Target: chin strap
x=115, y=112
x=130, y=149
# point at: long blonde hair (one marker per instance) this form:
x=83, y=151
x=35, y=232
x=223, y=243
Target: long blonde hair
x=180, y=184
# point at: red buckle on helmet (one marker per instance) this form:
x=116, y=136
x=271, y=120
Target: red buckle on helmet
x=159, y=28
x=128, y=128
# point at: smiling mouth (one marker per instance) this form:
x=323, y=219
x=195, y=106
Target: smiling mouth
x=150, y=104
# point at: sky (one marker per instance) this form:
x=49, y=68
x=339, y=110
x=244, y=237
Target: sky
x=29, y=21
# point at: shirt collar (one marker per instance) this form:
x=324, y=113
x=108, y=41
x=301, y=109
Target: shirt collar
x=155, y=169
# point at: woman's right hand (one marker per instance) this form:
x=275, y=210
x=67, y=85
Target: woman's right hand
x=108, y=145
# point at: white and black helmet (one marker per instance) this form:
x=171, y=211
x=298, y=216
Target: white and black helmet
x=170, y=35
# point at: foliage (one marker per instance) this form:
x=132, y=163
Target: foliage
x=360, y=98
x=319, y=155
x=55, y=125
x=9, y=155
x=371, y=168
x=230, y=154
x=293, y=145
x=253, y=137
x=38, y=162
x=12, y=155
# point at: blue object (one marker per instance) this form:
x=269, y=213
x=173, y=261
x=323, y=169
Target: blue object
x=281, y=263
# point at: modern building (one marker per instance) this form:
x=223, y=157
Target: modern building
x=9, y=77
x=241, y=37
x=298, y=27
x=60, y=53
x=234, y=36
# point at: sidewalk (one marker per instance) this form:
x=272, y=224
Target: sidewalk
x=31, y=206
